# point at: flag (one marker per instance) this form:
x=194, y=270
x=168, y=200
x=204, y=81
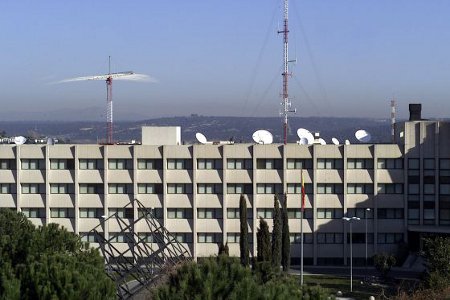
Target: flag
x=303, y=192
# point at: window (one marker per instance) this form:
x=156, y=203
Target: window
x=179, y=164
x=118, y=164
x=390, y=163
x=31, y=212
x=91, y=212
x=296, y=238
x=444, y=164
x=149, y=188
x=360, y=238
x=91, y=188
x=61, y=164
x=269, y=188
x=299, y=163
x=148, y=237
x=389, y=238
x=239, y=188
x=7, y=164
x=444, y=189
x=414, y=163
x=156, y=212
x=124, y=213
x=296, y=188
x=209, y=188
x=61, y=188
x=329, y=213
x=179, y=188
x=269, y=164
x=239, y=164
x=296, y=213
x=361, y=213
x=359, y=163
x=265, y=213
x=359, y=188
x=330, y=188
x=209, y=213
x=31, y=188
x=390, y=213
x=5, y=188
x=330, y=238
x=90, y=164
x=183, y=237
x=428, y=164
x=32, y=164
x=88, y=237
x=179, y=213
x=119, y=188
x=234, y=213
x=209, y=164
x=209, y=237
x=149, y=164
x=390, y=188
x=60, y=213
x=115, y=237
x=329, y=163
x=233, y=237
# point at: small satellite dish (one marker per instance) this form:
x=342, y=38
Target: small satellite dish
x=19, y=140
x=201, y=138
x=322, y=141
x=262, y=137
x=363, y=136
x=305, y=134
x=347, y=142
x=335, y=141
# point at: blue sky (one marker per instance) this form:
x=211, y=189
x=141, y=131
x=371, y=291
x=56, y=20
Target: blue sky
x=224, y=57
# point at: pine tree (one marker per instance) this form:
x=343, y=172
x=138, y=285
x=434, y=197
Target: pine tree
x=285, y=243
x=243, y=240
x=263, y=242
x=276, y=234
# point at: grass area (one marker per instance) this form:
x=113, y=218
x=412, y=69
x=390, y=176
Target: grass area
x=360, y=291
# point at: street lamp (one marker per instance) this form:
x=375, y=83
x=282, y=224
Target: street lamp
x=365, y=215
x=351, y=220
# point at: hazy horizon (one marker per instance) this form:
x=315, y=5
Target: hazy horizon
x=224, y=58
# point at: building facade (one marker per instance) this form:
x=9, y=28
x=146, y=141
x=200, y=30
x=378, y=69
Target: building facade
x=399, y=191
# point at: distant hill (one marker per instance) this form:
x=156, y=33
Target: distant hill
x=239, y=129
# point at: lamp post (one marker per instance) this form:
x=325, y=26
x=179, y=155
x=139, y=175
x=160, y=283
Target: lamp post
x=365, y=215
x=351, y=220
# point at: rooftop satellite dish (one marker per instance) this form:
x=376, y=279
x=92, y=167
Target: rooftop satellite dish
x=335, y=141
x=363, y=136
x=19, y=140
x=304, y=134
x=201, y=138
x=347, y=142
x=262, y=137
x=50, y=141
x=322, y=141
x=303, y=141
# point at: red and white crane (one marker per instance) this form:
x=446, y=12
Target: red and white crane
x=108, y=78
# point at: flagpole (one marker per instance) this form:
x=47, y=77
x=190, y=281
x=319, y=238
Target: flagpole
x=301, y=229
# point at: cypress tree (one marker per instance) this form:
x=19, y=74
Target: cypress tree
x=276, y=234
x=263, y=248
x=285, y=243
x=243, y=239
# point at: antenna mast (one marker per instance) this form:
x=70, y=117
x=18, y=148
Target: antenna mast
x=109, y=105
x=286, y=103
x=393, y=120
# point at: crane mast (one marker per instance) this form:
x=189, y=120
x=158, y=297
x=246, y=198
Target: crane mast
x=286, y=103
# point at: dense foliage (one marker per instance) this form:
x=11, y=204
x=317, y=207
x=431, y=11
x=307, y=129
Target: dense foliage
x=243, y=240
x=47, y=263
x=285, y=239
x=263, y=246
x=225, y=278
x=384, y=262
x=437, y=254
x=276, y=234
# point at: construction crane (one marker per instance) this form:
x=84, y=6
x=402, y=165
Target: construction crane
x=108, y=78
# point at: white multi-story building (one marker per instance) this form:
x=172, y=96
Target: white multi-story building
x=195, y=189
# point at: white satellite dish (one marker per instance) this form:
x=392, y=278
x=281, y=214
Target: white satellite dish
x=335, y=141
x=19, y=140
x=305, y=134
x=347, y=142
x=303, y=141
x=322, y=141
x=201, y=138
x=363, y=136
x=262, y=137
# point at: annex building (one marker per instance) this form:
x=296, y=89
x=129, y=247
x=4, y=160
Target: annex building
x=194, y=189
